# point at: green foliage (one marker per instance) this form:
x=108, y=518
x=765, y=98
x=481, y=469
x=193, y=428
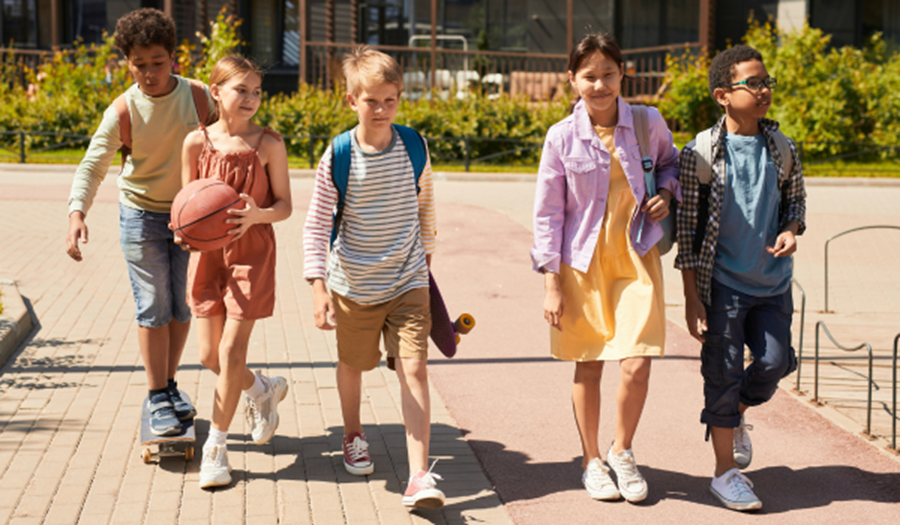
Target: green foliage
x=831, y=100
x=687, y=100
x=223, y=40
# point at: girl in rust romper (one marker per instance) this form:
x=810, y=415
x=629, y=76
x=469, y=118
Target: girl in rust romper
x=229, y=289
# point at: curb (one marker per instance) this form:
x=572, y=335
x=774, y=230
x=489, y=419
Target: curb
x=15, y=321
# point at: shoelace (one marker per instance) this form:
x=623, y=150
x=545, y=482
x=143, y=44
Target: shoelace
x=251, y=413
x=599, y=476
x=428, y=479
x=210, y=455
x=741, y=485
x=357, y=449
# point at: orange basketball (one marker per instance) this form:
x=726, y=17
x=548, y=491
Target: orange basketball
x=199, y=212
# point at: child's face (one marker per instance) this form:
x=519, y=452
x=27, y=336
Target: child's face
x=740, y=100
x=376, y=105
x=239, y=96
x=598, y=81
x=151, y=68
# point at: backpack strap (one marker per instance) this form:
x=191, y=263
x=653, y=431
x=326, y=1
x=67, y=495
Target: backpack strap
x=124, y=117
x=201, y=102
x=703, y=156
x=340, y=175
x=642, y=133
x=341, y=153
x=784, y=150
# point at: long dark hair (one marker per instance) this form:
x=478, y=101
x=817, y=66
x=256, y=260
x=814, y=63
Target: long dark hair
x=590, y=44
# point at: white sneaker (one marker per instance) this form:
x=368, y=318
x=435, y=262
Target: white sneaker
x=735, y=491
x=631, y=484
x=743, y=449
x=214, y=469
x=262, y=414
x=598, y=483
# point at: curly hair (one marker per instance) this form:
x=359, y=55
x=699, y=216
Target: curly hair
x=145, y=27
x=721, y=70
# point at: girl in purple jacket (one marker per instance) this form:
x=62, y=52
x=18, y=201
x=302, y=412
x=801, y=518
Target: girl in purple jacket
x=604, y=285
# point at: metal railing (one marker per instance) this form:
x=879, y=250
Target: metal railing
x=539, y=76
x=22, y=152
x=833, y=237
x=865, y=345
x=802, y=326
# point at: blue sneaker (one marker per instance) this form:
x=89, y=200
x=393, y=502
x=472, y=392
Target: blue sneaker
x=163, y=421
x=184, y=410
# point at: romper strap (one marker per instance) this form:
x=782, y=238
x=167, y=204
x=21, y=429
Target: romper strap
x=266, y=130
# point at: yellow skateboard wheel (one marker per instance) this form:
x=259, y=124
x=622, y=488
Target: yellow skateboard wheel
x=464, y=324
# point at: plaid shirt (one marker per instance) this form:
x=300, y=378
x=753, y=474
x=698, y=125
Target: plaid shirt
x=793, y=202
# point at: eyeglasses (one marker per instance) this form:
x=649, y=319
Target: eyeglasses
x=756, y=84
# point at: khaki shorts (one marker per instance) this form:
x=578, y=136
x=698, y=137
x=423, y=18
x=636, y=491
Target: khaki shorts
x=404, y=321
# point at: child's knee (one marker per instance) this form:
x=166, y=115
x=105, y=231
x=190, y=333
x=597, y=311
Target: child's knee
x=635, y=370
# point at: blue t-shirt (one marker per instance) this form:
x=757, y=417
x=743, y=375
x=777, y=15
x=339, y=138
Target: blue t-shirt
x=749, y=221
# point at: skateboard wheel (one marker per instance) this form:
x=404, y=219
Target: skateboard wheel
x=457, y=338
x=188, y=453
x=464, y=324
x=147, y=456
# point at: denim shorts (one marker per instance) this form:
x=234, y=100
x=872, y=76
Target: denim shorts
x=734, y=319
x=157, y=267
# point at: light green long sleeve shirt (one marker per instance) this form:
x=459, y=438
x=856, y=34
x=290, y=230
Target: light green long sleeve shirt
x=152, y=174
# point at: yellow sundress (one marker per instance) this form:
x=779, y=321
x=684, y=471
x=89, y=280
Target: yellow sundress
x=617, y=308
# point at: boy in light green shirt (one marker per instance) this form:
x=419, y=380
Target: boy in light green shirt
x=161, y=111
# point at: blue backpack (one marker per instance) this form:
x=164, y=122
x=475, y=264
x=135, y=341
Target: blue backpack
x=340, y=165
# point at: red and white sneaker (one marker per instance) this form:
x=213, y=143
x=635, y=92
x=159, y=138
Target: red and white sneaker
x=356, y=455
x=421, y=493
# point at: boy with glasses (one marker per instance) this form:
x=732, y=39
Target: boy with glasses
x=743, y=205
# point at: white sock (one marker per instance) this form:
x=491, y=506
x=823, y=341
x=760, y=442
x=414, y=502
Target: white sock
x=215, y=437
x=258, y=389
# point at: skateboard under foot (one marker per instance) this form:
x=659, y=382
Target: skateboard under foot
x=181, y=444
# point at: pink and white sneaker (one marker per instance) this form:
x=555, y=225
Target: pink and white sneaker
x=422, y=493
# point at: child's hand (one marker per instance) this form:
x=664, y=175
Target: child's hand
x=78, y=231
x=785, y=244
x=658, y=207
x=323, y=306
x=244, y=218
x=180, y=242
x=695, y=316
x=553, y=300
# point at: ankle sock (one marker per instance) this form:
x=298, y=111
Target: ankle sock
x=215, y=437
x=159, y=391
x=258, y=389
x=173, y=385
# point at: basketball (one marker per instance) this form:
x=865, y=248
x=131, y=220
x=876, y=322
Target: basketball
x=199, y=212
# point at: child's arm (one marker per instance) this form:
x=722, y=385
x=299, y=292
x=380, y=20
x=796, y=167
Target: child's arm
x=316, y=239
x=685, y=226
x=90, y=173
x=427, y=220
x=275, y=155
x=549, y=217
x=793, y=217
x=190, y=155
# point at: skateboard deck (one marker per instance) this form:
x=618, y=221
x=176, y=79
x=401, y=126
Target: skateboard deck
x=181, y=444
x=446, y=333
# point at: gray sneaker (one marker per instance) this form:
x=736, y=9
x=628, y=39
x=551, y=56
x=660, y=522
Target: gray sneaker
x=184, y=410
x=631, y=483
x=743, y=449
x=735, y=491
x=163, y=421
x=262, y=414
x=598, y=483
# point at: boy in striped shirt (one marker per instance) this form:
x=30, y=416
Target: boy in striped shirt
x=378, y=270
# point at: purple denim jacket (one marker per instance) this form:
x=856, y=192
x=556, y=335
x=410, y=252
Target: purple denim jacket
x=573, y=184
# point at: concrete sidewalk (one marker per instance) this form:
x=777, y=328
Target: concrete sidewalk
x=69, y=400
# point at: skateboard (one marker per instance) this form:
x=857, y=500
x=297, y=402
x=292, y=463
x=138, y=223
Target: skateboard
x=444, y=333
x=175, y=445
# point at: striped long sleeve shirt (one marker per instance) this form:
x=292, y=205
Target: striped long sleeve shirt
x=386, y=229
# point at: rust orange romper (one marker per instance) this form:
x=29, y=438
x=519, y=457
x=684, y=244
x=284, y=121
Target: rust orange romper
x=239, y=279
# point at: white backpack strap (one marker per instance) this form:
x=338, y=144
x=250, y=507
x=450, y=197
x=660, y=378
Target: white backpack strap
x=784, y=150
x=703, y=156
x=642, y=131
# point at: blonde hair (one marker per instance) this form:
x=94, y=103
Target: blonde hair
x=229, y=67
x=365, y=67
